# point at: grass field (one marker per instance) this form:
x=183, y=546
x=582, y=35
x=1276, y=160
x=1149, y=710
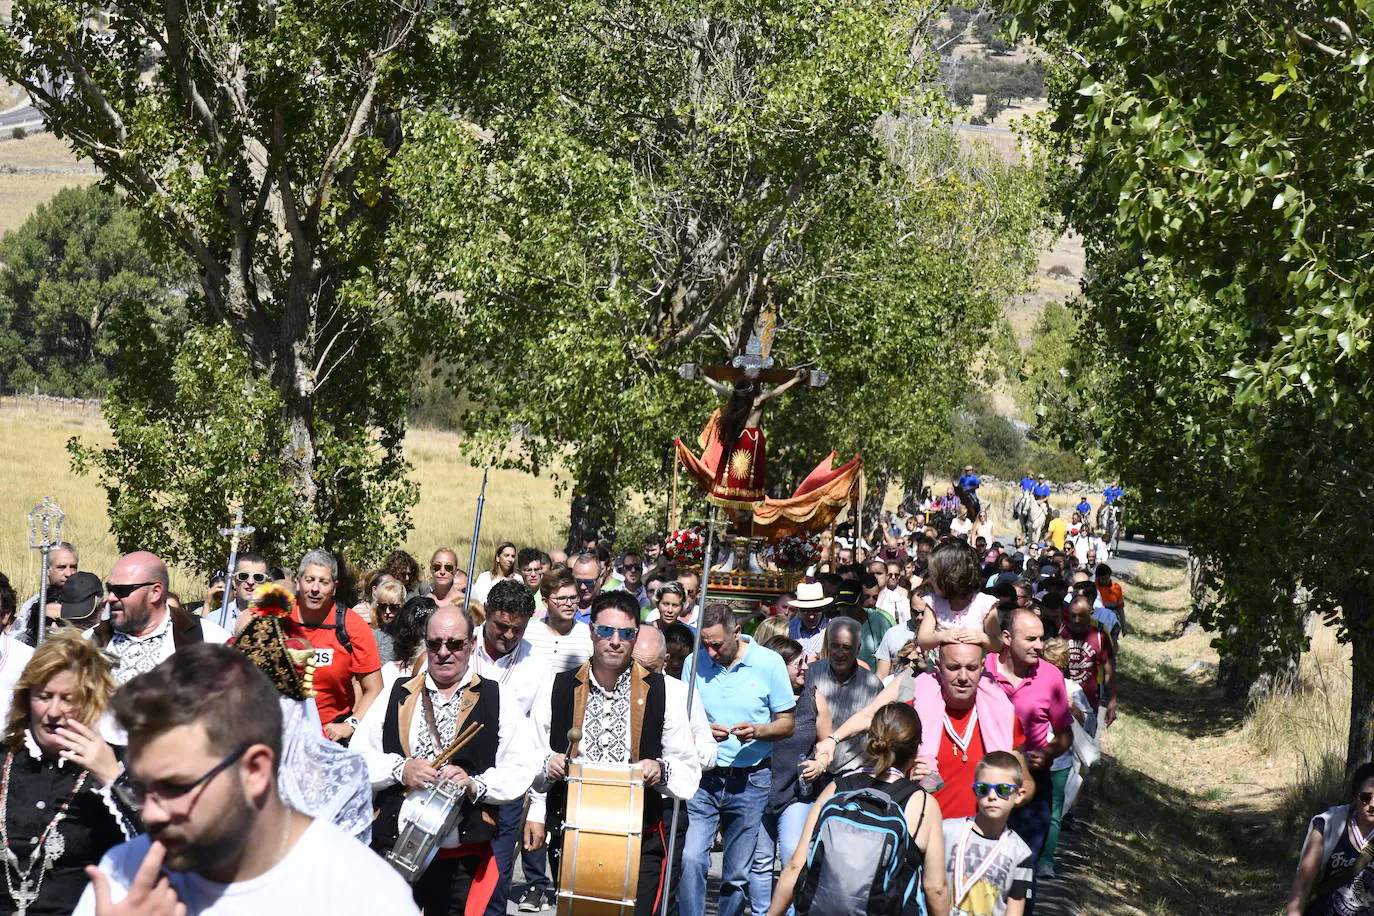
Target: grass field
x=33, y=456
x=32, y=170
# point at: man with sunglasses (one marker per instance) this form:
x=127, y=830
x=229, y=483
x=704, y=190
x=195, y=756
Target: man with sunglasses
x=250, y=571
x=220, y=840
x=404, y=733
x=587, y=574
x=625, y=719
x=143, y=630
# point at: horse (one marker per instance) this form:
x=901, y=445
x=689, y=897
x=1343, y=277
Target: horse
x=1035, y=518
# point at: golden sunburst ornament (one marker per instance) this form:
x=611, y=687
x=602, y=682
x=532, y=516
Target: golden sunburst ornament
x=741, y=463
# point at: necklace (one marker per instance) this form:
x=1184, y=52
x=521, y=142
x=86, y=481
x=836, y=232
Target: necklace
x=964, y=883
x=30, y=885
x=961, y=742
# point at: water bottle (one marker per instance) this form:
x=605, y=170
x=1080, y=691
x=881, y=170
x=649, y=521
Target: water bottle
x=805, y=790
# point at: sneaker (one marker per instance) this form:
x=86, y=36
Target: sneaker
x=1044, y=870
x=533, y=901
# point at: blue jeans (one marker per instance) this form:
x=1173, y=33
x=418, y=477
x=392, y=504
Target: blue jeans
x=778, y=838
x=734, y=801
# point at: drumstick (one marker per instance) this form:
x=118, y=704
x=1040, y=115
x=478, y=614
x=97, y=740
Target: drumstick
x=461, y=739
x=574, y=736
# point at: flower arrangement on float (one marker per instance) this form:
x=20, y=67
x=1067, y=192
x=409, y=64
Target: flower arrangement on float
x=686, y=546
x=797, y=551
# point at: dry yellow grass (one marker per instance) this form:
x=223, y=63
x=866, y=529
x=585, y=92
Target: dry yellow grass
x=32, y=170
x=519, y=507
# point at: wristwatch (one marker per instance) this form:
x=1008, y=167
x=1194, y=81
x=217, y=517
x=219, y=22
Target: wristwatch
x=352, y=722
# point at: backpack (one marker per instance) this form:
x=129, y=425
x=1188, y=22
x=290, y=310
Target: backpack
x=862, y=858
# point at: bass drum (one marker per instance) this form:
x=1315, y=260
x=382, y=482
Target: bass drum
x=601, y=837
x=426, y=818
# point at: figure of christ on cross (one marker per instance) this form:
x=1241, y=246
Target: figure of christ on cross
x=740, y=474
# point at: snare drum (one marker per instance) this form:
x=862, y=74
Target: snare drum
x=426, y=818
x=601, y=837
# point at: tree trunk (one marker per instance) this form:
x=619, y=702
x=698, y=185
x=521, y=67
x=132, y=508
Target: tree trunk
x=297, y=389
x=876, y=496
x=592, y=513
x=1356, y=606
x=911, y=489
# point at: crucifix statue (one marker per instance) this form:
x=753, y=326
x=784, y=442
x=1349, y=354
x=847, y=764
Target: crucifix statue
x=739, y=482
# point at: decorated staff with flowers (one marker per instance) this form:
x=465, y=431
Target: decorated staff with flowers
x=58, y=810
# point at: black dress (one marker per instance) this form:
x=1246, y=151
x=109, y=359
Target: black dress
x=95, y=820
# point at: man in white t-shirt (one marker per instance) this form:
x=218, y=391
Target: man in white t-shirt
x=560, y=638
x=205, y=777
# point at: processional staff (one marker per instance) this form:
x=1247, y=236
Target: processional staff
x=45, y=533
x=233, y=534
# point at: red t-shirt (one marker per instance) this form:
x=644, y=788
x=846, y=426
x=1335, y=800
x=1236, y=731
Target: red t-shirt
x=335, y=668
x=956, y=798
x=1086, y=655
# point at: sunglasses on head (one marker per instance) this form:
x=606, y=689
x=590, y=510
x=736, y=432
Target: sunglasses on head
x=122, y=590
x=256, y=578
x=1003, y=789
x=626, y=634
x=442, y=567
x=454, y=645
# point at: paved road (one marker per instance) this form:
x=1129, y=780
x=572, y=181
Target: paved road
x=1134, y=552
x=25, y=116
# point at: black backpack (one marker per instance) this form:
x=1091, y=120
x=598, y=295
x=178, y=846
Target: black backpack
x=862, y=858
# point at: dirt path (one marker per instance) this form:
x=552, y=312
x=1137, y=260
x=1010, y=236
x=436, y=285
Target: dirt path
x=1182, y=815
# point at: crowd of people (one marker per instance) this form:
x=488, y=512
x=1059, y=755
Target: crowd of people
x=174, y=757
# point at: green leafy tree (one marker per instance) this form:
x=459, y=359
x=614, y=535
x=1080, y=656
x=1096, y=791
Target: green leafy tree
x=65, y=274
x=1218, y=162
x=747, y=157
x=257, y=146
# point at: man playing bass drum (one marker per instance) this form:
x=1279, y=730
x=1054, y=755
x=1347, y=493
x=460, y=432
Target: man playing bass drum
x=612, y=710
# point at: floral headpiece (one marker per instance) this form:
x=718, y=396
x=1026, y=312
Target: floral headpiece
x=275, y=642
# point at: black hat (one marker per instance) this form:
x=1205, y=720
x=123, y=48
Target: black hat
x=80, y=596
x=850, y=593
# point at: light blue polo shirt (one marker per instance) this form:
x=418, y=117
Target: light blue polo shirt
x=752, y=691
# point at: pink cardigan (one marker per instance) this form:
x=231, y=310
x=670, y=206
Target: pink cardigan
x=996, y=716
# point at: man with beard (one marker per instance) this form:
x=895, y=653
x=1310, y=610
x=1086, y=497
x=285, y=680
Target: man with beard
x=220, y=840
x=143, y=631
x=404, y=732
x=617, y=712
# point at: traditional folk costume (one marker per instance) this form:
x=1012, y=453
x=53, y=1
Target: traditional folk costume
x=415, y=720
x=316, y=776
x=630, y=723
x=55, y=819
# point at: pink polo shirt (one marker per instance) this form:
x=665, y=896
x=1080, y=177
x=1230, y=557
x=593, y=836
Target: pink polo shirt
x=1041, y=701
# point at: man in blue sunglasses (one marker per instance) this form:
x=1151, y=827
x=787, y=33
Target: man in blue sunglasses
x=612, y=710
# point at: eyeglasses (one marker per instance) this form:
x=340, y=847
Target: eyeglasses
x=531, y=570
x=393, y=608
x=562, y=599
x=626, y=634
x=442, y=567
x=586, y=583
x=122, y=590
x=137, y=794
x=1003, y=789
x=454, y=645
x=254, y=577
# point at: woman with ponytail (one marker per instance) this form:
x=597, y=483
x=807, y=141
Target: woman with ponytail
x=893, y=739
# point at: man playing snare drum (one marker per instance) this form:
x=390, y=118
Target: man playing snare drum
x=612, y=710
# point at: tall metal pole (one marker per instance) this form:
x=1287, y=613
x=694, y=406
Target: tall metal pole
x=691, y=692
x=233, y=535
x=45, y=532
x=476, y=532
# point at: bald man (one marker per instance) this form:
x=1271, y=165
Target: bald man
x=651, y=651
x=142, y=630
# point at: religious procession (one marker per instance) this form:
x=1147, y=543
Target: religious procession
x=610, y=458
x=768, y=712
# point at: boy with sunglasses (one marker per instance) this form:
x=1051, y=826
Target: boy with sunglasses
x=989, y=867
